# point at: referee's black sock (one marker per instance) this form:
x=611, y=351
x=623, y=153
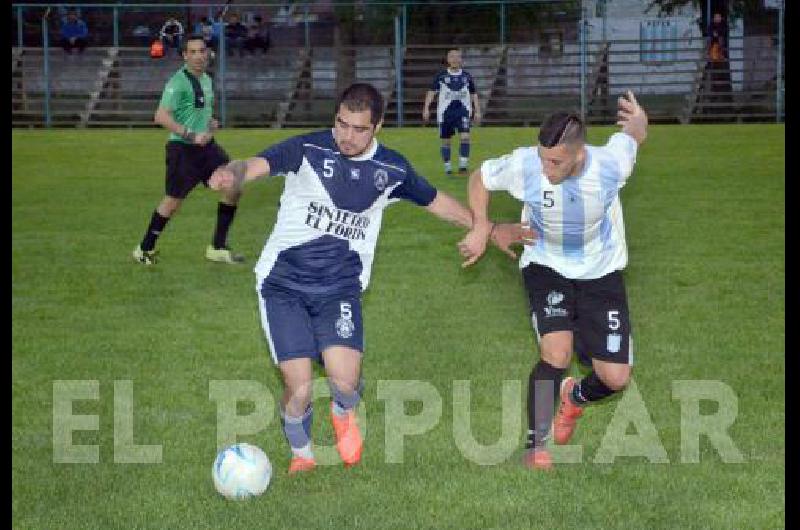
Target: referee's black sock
x=157, y=224
x=544, y=385
x=590, y=388
x=225, y=213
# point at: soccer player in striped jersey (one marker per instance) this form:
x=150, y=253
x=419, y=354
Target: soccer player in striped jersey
x=318, y=258
x=572, y=272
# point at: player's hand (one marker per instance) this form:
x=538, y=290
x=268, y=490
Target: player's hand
x=213, y=125
x=632, y=117
x=477, y=118
x=506, y=234
x=473, y=245
x=426, y=115
x=222, y=179
x=203, y=138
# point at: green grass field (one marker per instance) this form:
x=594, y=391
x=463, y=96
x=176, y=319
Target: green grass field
x=704, y=216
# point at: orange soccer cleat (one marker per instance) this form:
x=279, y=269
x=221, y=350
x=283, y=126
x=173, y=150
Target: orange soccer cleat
x=300, y=464
x=538, y=458
x=348, y=437
x=567, y=415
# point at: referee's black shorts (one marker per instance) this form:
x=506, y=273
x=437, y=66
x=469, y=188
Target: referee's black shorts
x=188, y=165
x=596, y=311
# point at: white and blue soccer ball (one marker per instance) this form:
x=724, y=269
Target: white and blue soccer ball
x=241, y=471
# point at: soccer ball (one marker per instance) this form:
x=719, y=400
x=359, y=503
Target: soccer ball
x=241, y=471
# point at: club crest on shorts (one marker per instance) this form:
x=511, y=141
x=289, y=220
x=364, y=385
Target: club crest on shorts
x=381, y=179
x=345, y=327
x=554, y=298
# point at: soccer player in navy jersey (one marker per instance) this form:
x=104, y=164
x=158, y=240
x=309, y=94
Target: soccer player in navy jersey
x=572, y=272
x=458, y=105
x=318, y=258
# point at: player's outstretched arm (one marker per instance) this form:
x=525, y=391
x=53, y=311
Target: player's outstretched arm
x=234, y=174
x=448, y=209
x=473, y=245
x=632, y=117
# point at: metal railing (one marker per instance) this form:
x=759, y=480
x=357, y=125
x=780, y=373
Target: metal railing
x=295, y=82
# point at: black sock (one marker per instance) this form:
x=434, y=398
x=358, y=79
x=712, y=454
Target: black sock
x=544, y=385
x=157, y=224
x=590, y=388
x=225, y=213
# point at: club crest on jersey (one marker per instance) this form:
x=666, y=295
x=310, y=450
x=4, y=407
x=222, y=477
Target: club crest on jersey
x=381, y=179
x=354, y=173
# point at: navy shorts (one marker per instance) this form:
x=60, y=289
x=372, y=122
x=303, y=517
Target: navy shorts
x=189, y=165
x=451, y=123
x=596, y=311
x=299, y=325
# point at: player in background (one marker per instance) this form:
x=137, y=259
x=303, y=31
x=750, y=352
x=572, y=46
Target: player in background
x=318, y=258
x=458, y=104
x=185, y=110
x=572, y=272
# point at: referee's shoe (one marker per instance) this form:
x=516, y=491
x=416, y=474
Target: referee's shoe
x=223, y=255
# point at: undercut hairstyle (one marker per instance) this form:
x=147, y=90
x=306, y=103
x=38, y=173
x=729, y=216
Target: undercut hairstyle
x=359, y=97
x=187, y=40
x=562, y=128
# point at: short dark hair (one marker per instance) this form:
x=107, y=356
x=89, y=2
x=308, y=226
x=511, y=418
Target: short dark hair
x=562, y=128
x=193, y=36
x=362, y=96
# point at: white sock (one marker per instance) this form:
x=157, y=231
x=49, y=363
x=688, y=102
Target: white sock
x=447, y=166
x=463, y=161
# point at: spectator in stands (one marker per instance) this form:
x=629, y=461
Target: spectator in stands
x=142, y=34
x=235, y=35
x=257, y=36
x=171, y=34
x=74, y=33
x=206, y=29
x=718, y=42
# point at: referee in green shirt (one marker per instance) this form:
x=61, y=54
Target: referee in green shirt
x=192, y=155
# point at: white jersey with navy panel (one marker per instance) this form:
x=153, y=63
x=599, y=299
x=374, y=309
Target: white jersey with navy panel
x=454, y=90
x=581, y=234
x=330, y=212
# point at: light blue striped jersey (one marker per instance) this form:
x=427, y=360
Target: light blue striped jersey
x=581, y=233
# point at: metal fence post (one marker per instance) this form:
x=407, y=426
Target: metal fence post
x=583, y=59
x=779, y=73
x=19, y=26
x=503, y=23
x=307, y=28
x=46, y=65
x=116, y=26
x=398, y=69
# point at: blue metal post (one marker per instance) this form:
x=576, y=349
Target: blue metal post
x=779, y=74
x=116, y=26
x=46, y=63
x=19, y=26
x=503, y=23
x=398, y=69
x=307, y=27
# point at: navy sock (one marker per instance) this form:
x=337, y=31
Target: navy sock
x=544, y=385
x=342, y=402
x=298, y=432
x=446, y=153
x=225, y=213
x=590, y=388
x=464, y=149
x=154, y=229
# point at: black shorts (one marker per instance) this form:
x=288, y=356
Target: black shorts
x=596, y=311
x=188, y=165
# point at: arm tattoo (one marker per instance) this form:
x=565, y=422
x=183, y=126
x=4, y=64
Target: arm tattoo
x=239, y=169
